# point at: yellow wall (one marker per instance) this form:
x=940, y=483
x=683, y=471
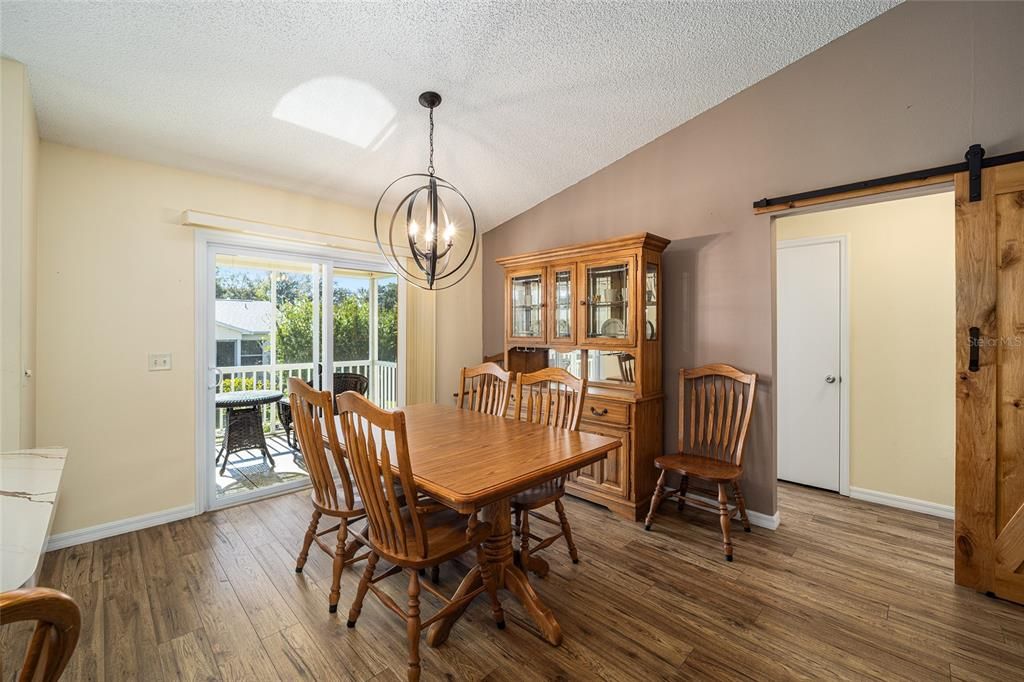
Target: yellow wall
x=116, y=282
x=19, y=146
x=902, y=342
x=459, y=332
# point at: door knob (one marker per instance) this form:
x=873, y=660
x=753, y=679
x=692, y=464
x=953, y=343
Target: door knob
x=830, y=379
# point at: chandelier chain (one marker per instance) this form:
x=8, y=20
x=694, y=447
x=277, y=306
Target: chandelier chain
x=430, y=164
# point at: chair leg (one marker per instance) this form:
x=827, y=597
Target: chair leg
x=723, y=517
x=741, y=504
x=435, y=574
x=684, y=484
x=300, y=563
x=364, y=585
x=339, y=565
x=659, y=494
x=524, y=540
x=567, y=531
x=412, y=622
x=516, y=521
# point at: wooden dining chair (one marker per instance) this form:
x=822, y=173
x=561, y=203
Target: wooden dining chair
x=312, y=414
x=554, y=398
x=412, y=536
x=58, y=625
x=715, y=404
x=485, y=388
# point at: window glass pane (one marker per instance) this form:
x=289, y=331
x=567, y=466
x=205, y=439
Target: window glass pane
x=225, y=353
x=387, y=319
x=294, y=318
x=253, y=352
x=352, y=323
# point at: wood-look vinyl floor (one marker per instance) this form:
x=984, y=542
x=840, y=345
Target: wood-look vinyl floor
x=843, y=589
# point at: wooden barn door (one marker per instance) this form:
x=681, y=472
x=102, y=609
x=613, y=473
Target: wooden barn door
x=990, y=383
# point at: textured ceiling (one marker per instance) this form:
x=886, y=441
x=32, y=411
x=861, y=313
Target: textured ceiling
x=321, y=97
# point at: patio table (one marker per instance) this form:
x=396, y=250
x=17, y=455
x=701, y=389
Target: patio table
x=243, y=428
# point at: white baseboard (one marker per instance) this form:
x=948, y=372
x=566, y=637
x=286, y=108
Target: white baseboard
x=764, y=520
x=909, y=503
x=759, y=519
x=107, y=530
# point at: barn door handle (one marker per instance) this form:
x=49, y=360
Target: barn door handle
x=975, y=333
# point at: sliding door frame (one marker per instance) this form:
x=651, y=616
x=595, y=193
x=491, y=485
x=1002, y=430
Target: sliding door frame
x=207, y=243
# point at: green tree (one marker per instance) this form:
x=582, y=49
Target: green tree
x=239, y=284
x=387, y=321
x=295, y=332
x=351, y=326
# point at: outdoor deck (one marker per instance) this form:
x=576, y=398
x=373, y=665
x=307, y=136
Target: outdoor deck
x=247, y=471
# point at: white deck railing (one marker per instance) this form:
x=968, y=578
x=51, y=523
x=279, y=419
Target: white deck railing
x=383, y=378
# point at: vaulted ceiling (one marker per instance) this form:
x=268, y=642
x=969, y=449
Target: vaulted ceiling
x=321, y=98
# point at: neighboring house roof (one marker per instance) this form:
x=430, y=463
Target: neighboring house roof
x=248, y=317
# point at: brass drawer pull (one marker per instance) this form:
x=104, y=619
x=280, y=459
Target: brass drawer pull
x=598, y=414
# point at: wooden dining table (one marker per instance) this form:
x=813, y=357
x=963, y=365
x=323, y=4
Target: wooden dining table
x=474, y=462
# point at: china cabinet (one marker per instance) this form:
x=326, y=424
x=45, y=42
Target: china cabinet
x=595, y=310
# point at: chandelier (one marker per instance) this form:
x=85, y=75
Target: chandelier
x=429, y=236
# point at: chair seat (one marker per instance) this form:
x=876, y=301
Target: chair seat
x=701, y=467
x=446, y=538
x=539, y=496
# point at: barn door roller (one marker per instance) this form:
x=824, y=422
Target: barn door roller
x=975, y=153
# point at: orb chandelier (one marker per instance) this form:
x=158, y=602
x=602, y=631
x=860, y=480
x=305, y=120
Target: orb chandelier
x=424, y=226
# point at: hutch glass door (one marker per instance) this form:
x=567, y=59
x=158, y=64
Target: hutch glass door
x=527, y=309
x=608, y=295
x=563, y=329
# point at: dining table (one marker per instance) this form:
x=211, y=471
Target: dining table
x=474, y=463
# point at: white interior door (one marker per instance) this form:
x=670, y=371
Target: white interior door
x=809, y=347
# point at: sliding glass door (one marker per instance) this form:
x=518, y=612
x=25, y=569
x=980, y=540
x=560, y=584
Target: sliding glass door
x=274, y=315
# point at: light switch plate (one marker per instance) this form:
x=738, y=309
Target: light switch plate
x=159, y=362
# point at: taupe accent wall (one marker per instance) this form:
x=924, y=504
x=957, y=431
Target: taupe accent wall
x=911, y=89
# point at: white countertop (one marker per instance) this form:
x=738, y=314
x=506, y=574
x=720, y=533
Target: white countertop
x=29, y=481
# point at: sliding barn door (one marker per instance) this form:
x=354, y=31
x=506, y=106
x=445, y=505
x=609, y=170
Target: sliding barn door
x=990, y=383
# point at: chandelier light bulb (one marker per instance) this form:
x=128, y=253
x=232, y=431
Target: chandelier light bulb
x=449, y=232
x=414, y=229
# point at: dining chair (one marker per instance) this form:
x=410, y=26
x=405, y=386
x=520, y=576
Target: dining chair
x=312, y=411
x=485, y=388
x=58, y=625
x=406, y=531
x=552, y=397
x=715, y=404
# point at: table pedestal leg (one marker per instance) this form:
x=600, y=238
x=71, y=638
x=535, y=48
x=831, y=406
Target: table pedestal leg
x=498, y=553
